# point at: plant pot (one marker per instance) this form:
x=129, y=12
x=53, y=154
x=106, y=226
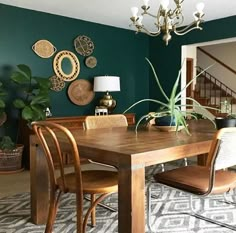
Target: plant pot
x=165, y=121
x=11, y=160
x=225, y=122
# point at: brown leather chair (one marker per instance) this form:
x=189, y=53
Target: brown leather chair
x=56, y=139
x=213, y=178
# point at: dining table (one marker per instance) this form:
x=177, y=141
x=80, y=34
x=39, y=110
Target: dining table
x=130, y=152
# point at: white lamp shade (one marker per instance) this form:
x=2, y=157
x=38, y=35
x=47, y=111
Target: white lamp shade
x=106, y=83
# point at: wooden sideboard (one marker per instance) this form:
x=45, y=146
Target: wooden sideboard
x=73, y=122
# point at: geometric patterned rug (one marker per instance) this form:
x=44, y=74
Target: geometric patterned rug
x=167, y=214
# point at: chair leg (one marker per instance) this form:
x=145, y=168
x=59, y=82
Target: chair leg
x=149, y=194
x=214, y=221
x=226, y=198
x=185, y=162
x=102, y=205
x=53, y=206
x=158, y=168
x=92, y=207
x=162, y=165
x=93, y=212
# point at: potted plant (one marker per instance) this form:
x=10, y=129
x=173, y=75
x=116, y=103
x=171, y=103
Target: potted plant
x=32, y=101
x=228, y=119
x=10, y=153
x=170, y=112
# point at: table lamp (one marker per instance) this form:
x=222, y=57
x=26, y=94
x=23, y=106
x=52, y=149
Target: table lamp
x=107, y=84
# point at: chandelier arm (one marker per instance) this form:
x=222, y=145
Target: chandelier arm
x=179, y=22
x=187, y=29
x=147, y=13
x=152, y=33
x=176, y=12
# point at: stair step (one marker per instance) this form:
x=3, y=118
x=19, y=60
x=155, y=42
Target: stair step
x=207, y=86
x=210, y=92
x=203, y=101
x=217, y=100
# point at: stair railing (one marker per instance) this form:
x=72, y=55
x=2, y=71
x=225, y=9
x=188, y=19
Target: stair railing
x=214, y=91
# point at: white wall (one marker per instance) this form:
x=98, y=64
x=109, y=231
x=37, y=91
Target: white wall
x=187, y=52
x=226, y=53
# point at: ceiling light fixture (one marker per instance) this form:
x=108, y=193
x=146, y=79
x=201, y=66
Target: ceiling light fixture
x=167, y=20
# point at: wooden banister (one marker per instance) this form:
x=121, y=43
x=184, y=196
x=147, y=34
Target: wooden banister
x=217, y=60
x=208, y=95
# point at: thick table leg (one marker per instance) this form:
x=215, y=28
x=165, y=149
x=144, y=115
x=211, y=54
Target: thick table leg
x=131, y=200
x=39, y=186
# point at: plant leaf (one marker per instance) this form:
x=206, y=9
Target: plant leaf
x=190, y=82
x=40, y=99
x=2, y=104
x=27, y=113
x=25, y=69
x=157, y=80
x=18, y=103
x=146, y=100
x=39, y=112
x=20, y=78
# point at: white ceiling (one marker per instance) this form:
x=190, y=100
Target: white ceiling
x=117, y=12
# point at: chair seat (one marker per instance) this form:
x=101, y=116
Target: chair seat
x=94, y=181
x=195, y=179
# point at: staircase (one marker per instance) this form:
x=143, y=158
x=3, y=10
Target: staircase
x=213, y=93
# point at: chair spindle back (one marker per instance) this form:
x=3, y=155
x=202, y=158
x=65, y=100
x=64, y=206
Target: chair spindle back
x=55, y=139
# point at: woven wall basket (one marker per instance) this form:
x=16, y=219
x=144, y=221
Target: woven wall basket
x=44, y=48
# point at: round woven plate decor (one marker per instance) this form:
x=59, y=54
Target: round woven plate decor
x=44, y=48
x=57, y=83
x=91, y=62
x=83, y=45
x=81, y=92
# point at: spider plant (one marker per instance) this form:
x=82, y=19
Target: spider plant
x=172, y=107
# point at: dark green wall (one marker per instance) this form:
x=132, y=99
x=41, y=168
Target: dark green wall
x=167, y=59
x=118, y=51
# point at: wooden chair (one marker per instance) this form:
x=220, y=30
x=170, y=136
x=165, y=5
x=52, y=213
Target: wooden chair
x=213, y=178
x=56, y=139
x=107, y=121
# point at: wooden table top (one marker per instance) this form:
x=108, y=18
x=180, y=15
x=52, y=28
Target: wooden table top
x=147, y=145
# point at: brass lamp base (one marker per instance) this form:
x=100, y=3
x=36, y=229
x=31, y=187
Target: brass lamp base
x=108, y=102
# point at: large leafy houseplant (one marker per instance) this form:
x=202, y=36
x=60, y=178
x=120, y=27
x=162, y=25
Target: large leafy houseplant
x=32, y=100
x=172, y=107
x=33, y=94
x=2, y=104
x=6, y=142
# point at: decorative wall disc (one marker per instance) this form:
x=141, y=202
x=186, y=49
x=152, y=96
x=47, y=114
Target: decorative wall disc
x=44, y=48
x=83, y=45
x=57, y=83
x=57, y=65
x=81, y=92
x=91, y=62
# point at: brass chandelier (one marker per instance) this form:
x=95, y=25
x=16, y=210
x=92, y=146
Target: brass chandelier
x=167, y=20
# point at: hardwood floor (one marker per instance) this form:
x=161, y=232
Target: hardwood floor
x=11, y=184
